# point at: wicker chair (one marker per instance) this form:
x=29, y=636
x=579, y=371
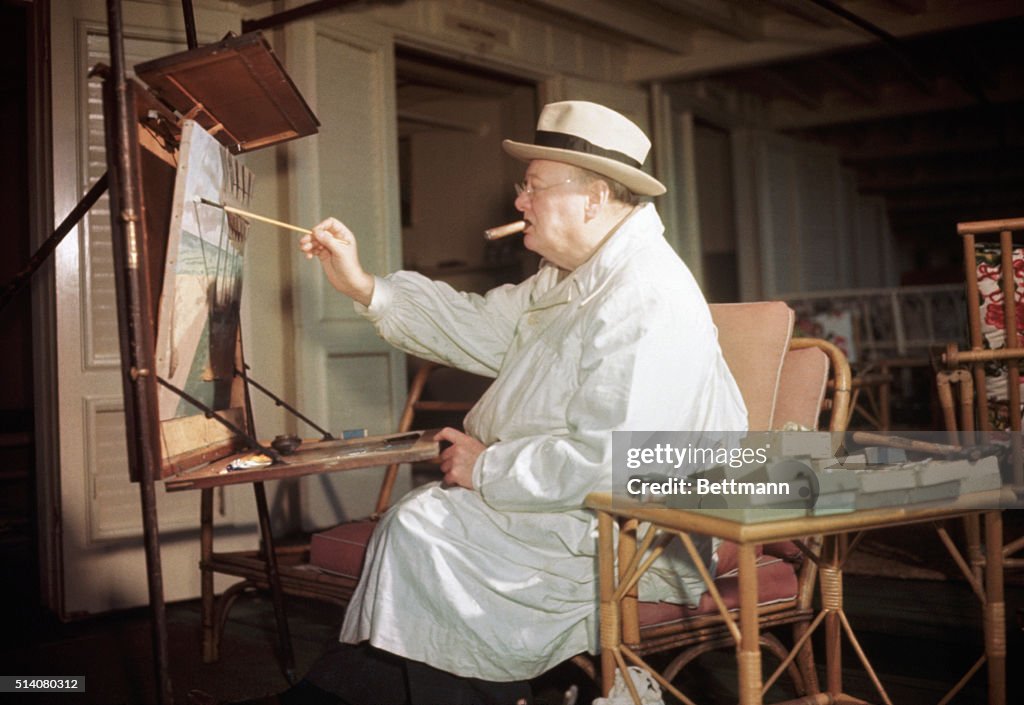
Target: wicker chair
x=782, y=381
x=992, y=256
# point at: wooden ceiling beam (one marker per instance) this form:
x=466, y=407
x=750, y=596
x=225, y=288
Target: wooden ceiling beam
x=425, y=74
x=868, y=145
x=952, y=179
x=806, y=12
x=847, y=81
x=779, y=84
x=659, y=30
x=910, y=7
x=892, y=101
x=942, y=199
x=786, y=39
x=921, y=148
x=945, y=171
x=938, y=224
x=728, y=18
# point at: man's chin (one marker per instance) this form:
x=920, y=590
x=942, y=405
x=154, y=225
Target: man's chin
x=529, y=240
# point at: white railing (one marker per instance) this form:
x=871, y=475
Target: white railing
x=896, y=322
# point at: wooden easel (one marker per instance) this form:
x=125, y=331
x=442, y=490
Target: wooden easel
x=138, y=250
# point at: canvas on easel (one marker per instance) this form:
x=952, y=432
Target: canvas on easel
x=198, y=319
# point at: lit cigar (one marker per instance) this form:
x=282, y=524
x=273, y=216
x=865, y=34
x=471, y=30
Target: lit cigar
x=505, y=230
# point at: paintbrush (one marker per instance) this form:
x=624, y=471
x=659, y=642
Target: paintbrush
x=255, y=216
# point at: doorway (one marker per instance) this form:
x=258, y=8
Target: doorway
x=713, y=159
x=455, y=179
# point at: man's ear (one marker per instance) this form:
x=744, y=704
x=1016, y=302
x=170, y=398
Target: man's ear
x=598, y=194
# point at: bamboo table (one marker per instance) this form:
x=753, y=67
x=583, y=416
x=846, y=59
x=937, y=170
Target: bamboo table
x=615, y=585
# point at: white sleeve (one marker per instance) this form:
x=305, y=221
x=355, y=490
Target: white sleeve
x=432, y=320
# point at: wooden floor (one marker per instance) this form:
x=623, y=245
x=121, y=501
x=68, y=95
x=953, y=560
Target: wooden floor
x=920, y=634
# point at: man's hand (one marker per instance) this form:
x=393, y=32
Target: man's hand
x=335, y=246
x=458, y=459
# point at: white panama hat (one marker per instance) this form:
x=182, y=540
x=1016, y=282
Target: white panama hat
x=594, y=137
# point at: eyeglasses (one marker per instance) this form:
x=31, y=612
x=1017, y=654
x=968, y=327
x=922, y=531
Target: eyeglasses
x=524, y=188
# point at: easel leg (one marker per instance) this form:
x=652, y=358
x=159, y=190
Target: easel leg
x=134, y=296
x=211, y=644
x=274, y=580
x=154, y=572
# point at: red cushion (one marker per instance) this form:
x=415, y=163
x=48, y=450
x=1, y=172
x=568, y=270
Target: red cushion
x=786, y=550
x=728, y=557
x=776, y=582
x=341, y=549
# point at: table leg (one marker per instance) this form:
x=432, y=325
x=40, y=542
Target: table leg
x=610, y=635
x=830, y=583
x=995, y=609
x=748, y=654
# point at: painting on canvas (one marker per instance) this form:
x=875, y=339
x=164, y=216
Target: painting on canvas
x=197, y=328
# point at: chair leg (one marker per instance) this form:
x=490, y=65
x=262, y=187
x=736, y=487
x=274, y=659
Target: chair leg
x=801, y=684
x=770, y=642
x=975, y=552
x=223, y=605
x=587, y=665
x=805, y=661
x=686, y=657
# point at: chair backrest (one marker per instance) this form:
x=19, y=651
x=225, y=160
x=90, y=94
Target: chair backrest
x=754, y=338
x=801, y=388
x=992, y=251
x=460, y=390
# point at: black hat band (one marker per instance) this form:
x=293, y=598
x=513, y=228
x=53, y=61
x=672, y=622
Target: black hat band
x=560, y=140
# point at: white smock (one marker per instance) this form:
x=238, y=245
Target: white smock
x=500, y=582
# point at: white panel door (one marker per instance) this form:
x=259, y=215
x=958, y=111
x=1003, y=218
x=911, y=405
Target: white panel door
x=93, y=543
x=346, y=375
